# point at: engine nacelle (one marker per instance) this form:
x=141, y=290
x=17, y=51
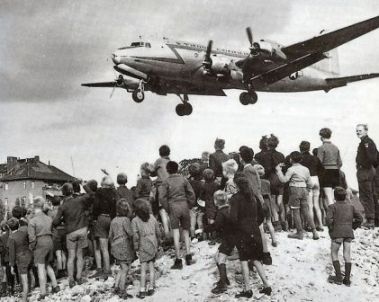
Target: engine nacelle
x=273, y=49
x=220, y=64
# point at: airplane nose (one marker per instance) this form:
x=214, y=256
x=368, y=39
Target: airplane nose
x=115, y=58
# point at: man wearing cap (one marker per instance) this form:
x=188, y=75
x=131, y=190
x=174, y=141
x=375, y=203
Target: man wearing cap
x=367, y=161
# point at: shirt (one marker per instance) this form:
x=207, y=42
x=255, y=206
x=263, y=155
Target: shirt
x=312, y=163
x=297, y=175
x=39, y=225
x=215, y=162
x=367, y=153
x=18, y=244
x=254, y=180
x=329, y=155
x=160, y=169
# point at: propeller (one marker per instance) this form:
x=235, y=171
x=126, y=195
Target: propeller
x=254, y=46
x=207, y=63
x=118, y=82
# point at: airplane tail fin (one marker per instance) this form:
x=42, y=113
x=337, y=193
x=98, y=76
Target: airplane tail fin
x=343, y=81
x=329, y=65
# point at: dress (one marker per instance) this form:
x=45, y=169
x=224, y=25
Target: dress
x=145, y=238
x=120, y=238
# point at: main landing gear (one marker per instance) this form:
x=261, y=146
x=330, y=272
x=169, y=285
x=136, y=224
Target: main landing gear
x=138, y=95
x=185, y=108
x=247, y=98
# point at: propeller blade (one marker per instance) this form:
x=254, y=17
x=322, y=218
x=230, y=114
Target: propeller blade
x=249, y=35
x=208, y=51
x=113, y=89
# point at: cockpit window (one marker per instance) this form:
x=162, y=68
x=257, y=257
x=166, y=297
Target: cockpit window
x=137, y=44
x=148, y=45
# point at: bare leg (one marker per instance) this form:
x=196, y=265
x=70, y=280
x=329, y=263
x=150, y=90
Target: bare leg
x=176, y=235
x=261, y=272
x=24, y=282
x=271, y=231
x=193, y=222
x=42, y=278
x=105, y=253
x=97, y=253
x=347, y=252
x=245, y=275
x=64, y=260
x=316, y=206
x=187, y=241
x=329, y=195
x=124, y=272
x=310, y=205
x=70, y=263
x=58, y=254
x=334, y=250
x=79, y=263
x=165, y=222
x=51, y=274
x=274, y=208
x=143, y=277
x=264, y=239
x=152, y=274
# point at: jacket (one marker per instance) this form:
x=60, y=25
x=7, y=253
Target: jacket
x=105, y=203
x=367, y=154
x=39, y=225
x=269, y=159
x=215, y=162
x=340, y=218
x=297, y=175
x=312, y=163
x=175, y=189
x=329, y=155
x=254, y=180
x=222, y=224
x=74, y=212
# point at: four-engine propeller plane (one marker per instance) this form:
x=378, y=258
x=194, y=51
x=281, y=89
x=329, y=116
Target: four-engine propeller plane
x=185, y=68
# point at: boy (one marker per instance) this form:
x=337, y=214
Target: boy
x=299, y=179
x=341, y=219
x=225, y=227
x=177, y=197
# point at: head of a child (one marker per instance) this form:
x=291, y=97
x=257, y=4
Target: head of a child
x=142, y=209
x=305, y=146
x=90, y=186
x=13, y=223
x=205, y=156
x=107, y=182
x=56, y=200
x=229, y=168
x=219, y=144
x=172, y=167
x=38, y=204
x=122, y=208
x=76, y=186
x=263, y=143
x=220, y=198
x=208, y=175
x=146, y=169
x=18, y=212
x=67, y=189
x=260, y=170
x=295, y=157
x=272, y=142
x=164, y=151
x=122, y=179
x=194, y=170
x=246, y=155
x=340, y=194
x=325, y=134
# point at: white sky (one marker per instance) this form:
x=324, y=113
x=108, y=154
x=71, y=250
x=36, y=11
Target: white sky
x=50, y=47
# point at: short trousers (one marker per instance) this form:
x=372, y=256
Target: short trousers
x=342, y=240
x=227, y=246
x=23, y=262
x=249, y=249
x=276, y=187
x=102, y=226
x=298, y=197
x=77, y=239
x=330, y=178
x=180, y=215
x=44, y=250
x=59, y=239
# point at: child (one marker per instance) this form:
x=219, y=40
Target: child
x=144, y=184
x=146, y=236
x=8, y=280
x=266, y=193
x=209, y=188
x=196, y=183
x=229, y=169
x=19, y=253
x=41, y=244
x=120, y=238
x=299, y=179
x=341, y=219
x=225, y=227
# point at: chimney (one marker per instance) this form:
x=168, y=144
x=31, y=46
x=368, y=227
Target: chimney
x=36, y=158
x=11, y=163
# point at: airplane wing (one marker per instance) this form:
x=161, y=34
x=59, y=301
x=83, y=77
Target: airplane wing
x=306, y=53
x=121, y=82
x=101, y=84
x=343, y=81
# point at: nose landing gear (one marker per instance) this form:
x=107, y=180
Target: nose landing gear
x=138, y=95
x=185, y=108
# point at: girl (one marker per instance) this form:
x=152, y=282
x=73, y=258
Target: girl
x=120, y=238
x=229, y=169
x=146, y=236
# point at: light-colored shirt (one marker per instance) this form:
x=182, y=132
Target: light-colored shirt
x=160, y=169
x=297, y=175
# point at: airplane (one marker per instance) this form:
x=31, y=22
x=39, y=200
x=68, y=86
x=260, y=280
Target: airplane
x=185, y=68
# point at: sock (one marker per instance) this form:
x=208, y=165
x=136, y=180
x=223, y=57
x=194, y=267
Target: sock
x=347, y=270
x=337, y=268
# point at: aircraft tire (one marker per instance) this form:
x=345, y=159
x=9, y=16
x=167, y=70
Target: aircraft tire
x=180, y=109
x=253, y=97
x=245, y=98
x=188, y=108
x=138, y=95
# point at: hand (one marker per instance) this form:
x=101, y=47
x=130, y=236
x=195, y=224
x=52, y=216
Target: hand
x=12, y=271
x=279, y=167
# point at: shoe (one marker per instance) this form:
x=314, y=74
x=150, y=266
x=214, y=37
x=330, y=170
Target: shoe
x=178, y=264
x=55, y=289
x=219, y=289
x=315, y=235
x=141, y=295
x=368, y=225
x=334, y=280
x=42, y=297
x=98, y=274
x=150, y=292
x=299, y=236
x=81, y=281
x=346, y=281
x=227, y=282
x=71, y=283
x=188, y=259
x=274, y=243
x=319, y=229
x=284, y=225
x=125, y=296
x=267, y=260
x=106, y=275
x=266, y=290
x=116, y=290
x=244, y=294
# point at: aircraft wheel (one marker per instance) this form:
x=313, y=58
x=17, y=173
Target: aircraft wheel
x=253, y=97
x=138, y=95
x=180, y=109
x=245, y=98
x=188, y=108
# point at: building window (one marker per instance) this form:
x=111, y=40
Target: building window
x=24, y=185
x=32, y=184
x=6, y=187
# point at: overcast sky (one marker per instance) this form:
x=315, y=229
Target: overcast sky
x=48, y=48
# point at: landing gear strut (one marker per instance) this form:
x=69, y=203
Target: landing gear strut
x=185, y=108
x=138, y=95
x=247, y=98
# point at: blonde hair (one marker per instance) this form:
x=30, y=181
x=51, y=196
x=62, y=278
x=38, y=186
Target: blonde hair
x=229, y=168
x=220, y=198
x=39, y=202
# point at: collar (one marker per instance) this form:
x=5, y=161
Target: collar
x=249, y=164
x=174, y=175
x=296, y=164
x=365, y=138
x=327, y=142
x=223, y=206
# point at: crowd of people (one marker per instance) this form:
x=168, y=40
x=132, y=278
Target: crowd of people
x=228, y=199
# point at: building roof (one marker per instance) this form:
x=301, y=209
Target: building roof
x=33, y=169
x=3, y=168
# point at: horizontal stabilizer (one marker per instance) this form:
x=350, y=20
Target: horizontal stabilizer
x=343, y=81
